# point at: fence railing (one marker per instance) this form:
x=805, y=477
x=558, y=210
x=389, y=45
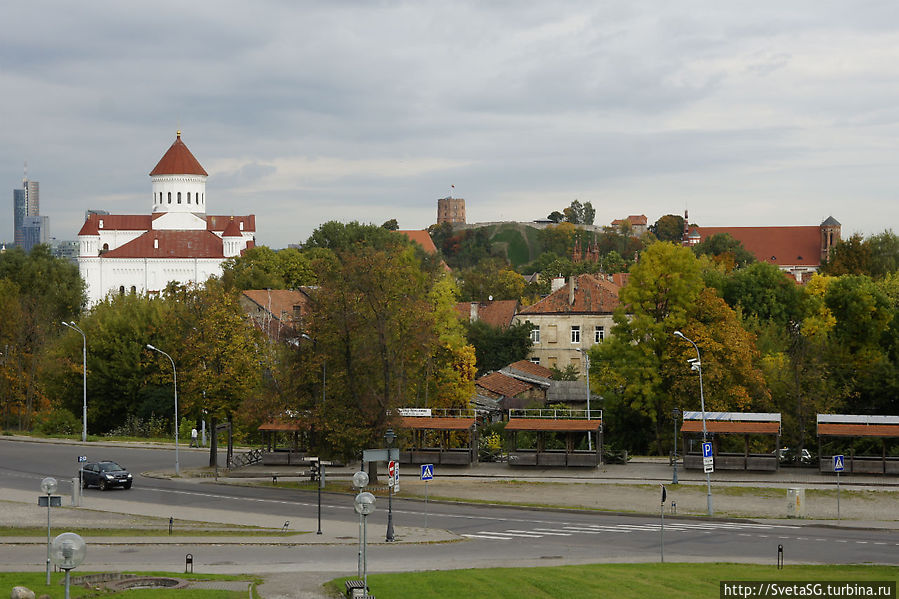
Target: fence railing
x=555, y=414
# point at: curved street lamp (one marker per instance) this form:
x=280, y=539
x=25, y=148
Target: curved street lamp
x=587, y=366
x=697, y=365
x=74, y=327
x=175, y=379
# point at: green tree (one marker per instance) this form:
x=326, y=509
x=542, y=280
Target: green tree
x=491, y=278
x=884, y=253
x=391, y=225
x=556, y=216
x=725, y=250
x=668, y=228
x=849, y=257
x=497, y=347
x=263, y=268
x=764, y=291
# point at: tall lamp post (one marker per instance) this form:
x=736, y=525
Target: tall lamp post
x=697, y=365
x=675, y=413
x=390, y=437
x=74, y=327
x=175, y=379
x=587, y=366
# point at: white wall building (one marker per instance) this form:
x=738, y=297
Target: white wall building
x=178, y=241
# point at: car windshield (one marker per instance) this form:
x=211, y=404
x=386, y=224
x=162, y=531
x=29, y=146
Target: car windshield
x=110, y=467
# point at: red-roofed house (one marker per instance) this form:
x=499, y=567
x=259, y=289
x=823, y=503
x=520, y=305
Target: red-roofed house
x=178, y=241
x=509, y=391
x=575, y=316
x=278, y=312
x=497, y=313
x=422, y=238
x=799, y=251
x=636, y=223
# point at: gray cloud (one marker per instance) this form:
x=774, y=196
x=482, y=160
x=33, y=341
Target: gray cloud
x=745, y=113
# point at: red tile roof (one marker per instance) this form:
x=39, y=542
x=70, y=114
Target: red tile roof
x=220, y=223
x=278, y=301
x=633, y=220
x=500, y=384
x=233, y=229
x=784, y=246
x=178, y=161
x=172, y=244
x=437, y=424
x=422, y=238
x=497, y=313
x=89, y=227
x=857, y=430
x=592, y=295
x=528, y=367
x=122, y=222
x=725, y=426
x=546, y=424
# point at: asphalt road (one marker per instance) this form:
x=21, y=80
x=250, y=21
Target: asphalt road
x=500, y=536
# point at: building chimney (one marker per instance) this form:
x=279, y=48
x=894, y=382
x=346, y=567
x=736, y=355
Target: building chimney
x=558, y=283
x=473, y=315
x=572, y=285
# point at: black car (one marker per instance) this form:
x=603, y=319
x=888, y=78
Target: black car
x=105, y=475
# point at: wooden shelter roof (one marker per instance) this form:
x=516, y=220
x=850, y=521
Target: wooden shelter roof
x=436, y=423
x=857, y=430
x=731, y=426
x=551, y=424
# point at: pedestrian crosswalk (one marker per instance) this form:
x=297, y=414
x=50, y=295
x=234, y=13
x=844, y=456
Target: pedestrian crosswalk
x=567, y=530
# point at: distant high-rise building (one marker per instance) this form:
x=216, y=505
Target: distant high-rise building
x=35, y=230
x=450, y=210
x=26, y=202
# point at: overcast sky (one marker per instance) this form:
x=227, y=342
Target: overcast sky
x=744, y=113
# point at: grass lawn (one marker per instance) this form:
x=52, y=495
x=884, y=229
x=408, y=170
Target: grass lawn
x=36, y=581
x=622, y=581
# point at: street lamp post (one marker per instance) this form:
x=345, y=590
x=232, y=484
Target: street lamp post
x=587, y=366
x=390, y=437
x=175, y=380
x=697, y=365
x=74, y=327
x=48, y=486
x=675, y=413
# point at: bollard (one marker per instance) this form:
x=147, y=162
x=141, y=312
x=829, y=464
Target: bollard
x=171, y=523
x=780, y=557
x=673, y=507
x=286, y=526
x=274, y=480
x=189, y=562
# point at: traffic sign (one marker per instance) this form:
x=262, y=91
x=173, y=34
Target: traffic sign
x=838, y=463
x=706, y=449
x=391, y=472
x=664, y=493
x=82, y=458
x=708, y=465
x=427, y=472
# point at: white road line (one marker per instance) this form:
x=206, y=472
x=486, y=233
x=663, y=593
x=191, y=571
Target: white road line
x=548, y=531
x=514, y=534
x=488, y=537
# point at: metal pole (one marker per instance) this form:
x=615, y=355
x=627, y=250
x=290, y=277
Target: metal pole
x=426, y=504
x=662, y=532
x=675, y=413
x=708, y=479
x=48, y=539
x=359, y=567
x=67, y=583
x=175, y=380
x=364, y=549
x=390, y=537
x=838, y=496
x=589, y=436
x=320, y=479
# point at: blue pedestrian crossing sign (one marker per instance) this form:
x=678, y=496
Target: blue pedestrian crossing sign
x=427, y=472
x=837, y=463
x=707, y=449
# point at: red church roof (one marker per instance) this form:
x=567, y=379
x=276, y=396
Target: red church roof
x=178, y=161
x=171, y=244
x=592, y=295
x=784, y=246
x=233, y=229
x=220, y=223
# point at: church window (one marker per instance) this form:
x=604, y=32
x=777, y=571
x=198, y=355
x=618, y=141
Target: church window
x=179, y=197
x=105, y=247
x=133, y=290
x=188, y=197
x=121, y=290
x=170, y=197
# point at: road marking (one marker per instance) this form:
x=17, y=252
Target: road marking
x=862, y=542
x=488, y=537
x=513, y=534
x=549, y=531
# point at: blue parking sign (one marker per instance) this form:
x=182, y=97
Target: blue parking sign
x=707, y=449
x=427, y=472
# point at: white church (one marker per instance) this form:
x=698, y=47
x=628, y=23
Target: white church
x=178, y=241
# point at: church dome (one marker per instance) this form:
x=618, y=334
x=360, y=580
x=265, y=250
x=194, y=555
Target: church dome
x=178, y=161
